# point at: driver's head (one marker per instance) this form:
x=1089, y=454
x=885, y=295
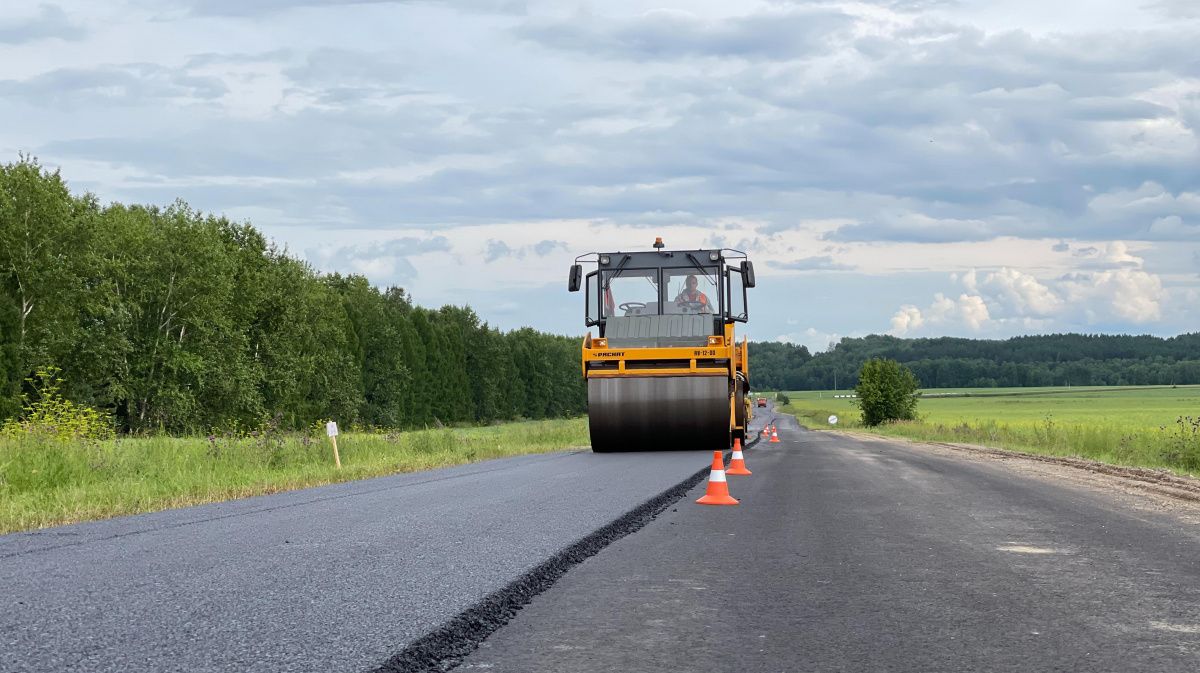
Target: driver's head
x=691, y=283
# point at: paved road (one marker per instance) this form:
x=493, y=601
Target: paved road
x=854, y=556
x=843, y=556
x=336, y=578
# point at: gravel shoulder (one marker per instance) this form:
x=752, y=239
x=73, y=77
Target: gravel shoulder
x=1160, y=490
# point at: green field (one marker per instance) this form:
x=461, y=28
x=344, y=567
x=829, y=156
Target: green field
x=47, y=481
x=1147, y=426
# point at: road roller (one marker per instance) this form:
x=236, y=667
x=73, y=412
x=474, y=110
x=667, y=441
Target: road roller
x=666, y=371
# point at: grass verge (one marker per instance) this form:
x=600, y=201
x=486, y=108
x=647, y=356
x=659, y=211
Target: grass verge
x=46, y=482
x=1151, y=428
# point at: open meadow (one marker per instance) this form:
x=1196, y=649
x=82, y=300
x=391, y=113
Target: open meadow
x=46, y=481
x=1147, y=426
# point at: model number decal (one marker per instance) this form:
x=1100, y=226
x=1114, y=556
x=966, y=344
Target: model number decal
x=610, y=354
x=703, y=353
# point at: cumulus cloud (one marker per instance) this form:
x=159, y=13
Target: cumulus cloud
x=1022, y=293
x=50, y=21
x=970, y=280
x=969, y=311
x=1117, y=254
x=1113, y=255
x=974, y=311
x=1110, y=285
x=815, y=340
x=1131, y=294
x=906, y=320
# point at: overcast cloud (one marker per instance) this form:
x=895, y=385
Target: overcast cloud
x=918, y=167
x=41, y=22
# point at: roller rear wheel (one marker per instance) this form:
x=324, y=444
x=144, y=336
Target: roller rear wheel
x=659, y=413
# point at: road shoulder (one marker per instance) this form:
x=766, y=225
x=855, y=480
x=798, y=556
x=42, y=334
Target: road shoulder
x=1158, y=490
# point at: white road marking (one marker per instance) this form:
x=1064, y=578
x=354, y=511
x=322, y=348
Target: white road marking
x=1177, y=628
x=1026, y=549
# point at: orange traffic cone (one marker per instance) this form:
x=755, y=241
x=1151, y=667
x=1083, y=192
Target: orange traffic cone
x=774, y=435
x=737, y=464
x=718, y=489
x=766, y=431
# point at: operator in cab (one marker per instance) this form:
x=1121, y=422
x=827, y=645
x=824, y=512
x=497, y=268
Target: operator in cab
x=692, y=297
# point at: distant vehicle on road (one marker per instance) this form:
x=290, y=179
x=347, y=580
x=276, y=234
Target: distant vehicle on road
x=762, y=401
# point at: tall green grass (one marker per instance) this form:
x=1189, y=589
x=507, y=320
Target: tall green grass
x=1146, y=427
x=47, y=481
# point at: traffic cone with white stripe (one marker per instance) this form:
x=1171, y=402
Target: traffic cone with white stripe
x=718, y=489
x=737, y=464
x=766, y=431
x=774, y=435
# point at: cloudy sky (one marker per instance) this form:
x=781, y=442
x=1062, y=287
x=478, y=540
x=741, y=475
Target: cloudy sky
x=917, y=167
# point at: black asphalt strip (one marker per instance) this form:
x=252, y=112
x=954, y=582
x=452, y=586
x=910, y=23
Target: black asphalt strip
x=445, y=647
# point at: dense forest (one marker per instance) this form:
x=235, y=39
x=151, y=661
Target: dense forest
x=947, y=362
x=177, y=321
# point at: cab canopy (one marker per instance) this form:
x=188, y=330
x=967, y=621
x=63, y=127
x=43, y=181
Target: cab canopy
x=664, y=298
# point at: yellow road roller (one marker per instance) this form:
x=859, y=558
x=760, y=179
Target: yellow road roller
x=666, y=371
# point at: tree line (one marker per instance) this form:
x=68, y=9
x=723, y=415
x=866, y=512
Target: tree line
x=949, y=362
x=173, y=320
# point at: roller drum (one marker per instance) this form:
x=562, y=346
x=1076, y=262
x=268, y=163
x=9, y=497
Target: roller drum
x=659, y=413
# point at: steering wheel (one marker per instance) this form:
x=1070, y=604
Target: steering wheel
x=630, y=305
x=695, y=306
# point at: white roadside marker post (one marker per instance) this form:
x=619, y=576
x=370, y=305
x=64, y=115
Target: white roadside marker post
x=332, y=430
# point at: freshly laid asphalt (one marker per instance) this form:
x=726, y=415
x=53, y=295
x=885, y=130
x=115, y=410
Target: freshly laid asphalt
x=337, y=578
x=869, y=556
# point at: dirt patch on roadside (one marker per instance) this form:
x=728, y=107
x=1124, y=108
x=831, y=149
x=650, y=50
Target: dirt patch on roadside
x=1161, y=489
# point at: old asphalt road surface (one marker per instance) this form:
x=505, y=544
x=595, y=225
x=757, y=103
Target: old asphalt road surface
x=338, y=578
x=870, y=556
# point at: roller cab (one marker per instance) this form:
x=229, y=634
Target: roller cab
x=666, y=370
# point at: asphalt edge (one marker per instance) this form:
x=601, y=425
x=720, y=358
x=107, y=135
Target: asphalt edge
x=446, y=646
